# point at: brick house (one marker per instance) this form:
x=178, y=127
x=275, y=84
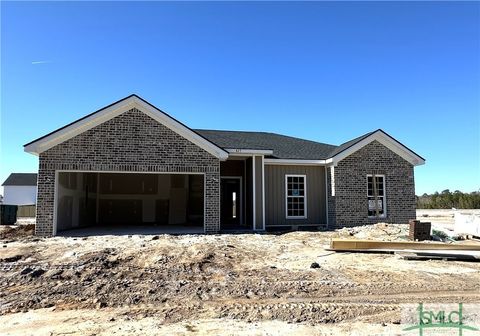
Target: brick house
x=132, y=164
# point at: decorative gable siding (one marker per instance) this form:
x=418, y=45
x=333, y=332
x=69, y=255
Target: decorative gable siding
x=131, y=141
x=349, y=206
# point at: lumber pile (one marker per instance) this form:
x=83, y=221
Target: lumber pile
x=358, y=245
x=409, y=250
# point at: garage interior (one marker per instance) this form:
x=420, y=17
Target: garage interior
x=130, y=201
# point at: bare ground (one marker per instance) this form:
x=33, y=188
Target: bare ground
x=216, y=284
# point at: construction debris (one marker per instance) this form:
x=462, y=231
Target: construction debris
x=419, y=230
x=467, y=223
x=443, y=234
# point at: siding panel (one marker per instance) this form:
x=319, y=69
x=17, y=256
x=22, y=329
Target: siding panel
x=258, y=193
x=275, y=195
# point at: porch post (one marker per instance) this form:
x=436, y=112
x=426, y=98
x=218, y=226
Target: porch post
x=258, y=173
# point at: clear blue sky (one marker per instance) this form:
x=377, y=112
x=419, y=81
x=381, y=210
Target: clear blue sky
x=322, y=71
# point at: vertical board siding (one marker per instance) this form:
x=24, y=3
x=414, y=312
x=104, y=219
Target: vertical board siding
x=249, y=193
x=275, y=213
x=258, y=194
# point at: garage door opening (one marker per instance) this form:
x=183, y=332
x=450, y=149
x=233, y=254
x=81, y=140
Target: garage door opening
x=130, y=202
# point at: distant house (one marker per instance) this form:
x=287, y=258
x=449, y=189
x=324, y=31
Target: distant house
x=132, y=164
x=20, y=189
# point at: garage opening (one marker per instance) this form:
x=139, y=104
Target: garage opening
x=130, y=202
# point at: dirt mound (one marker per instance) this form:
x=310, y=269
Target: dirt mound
x=378, y=231
x=16, y=232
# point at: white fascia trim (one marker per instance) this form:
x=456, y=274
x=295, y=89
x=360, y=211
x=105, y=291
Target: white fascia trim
x=238, y=151
x=385, y=140
x=182, y=130
x=79, y=127
x=114, y=111
x=295, y=162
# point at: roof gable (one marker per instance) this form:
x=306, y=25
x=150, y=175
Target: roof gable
x=221, y=143
x=382, y=137
x=111, y=111
x=21, y=179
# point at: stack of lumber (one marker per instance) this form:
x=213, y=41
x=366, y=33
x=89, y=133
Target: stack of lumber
x=409, y=250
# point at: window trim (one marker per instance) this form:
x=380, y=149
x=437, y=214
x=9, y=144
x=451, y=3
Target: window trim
x=304, y=196
x=384, y=215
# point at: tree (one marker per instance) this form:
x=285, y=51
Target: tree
x=448, y=200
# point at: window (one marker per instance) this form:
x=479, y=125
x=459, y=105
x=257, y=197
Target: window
x=296, y=196
x=376, y=196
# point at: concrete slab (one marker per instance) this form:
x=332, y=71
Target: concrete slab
x=122, y=230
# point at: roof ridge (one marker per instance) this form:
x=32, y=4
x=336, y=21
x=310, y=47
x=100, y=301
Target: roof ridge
x=264, y=132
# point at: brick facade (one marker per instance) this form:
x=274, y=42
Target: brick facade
x=131, y=141
x=349, y=206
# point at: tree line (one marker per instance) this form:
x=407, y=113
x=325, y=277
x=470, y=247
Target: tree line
x=447, y=200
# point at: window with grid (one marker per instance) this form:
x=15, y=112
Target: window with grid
x=296, y=196
x=376, y=195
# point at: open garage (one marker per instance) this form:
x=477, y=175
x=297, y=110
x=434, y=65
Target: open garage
x=129, y=201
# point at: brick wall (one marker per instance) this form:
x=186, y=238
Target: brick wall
x=131, y=141
x=349, y=206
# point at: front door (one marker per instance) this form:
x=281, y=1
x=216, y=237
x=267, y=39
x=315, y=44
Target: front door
x=230, y=202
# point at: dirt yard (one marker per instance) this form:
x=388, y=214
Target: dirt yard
x=246, y=284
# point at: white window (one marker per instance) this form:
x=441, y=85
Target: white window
x=296, y=196
x=377, y=206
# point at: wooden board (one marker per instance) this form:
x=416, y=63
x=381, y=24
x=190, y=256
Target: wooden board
x=440, y=255
x=365, y=245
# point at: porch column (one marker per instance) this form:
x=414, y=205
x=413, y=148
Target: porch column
x=258, y=174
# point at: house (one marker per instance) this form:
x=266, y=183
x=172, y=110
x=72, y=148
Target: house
x=130, y=163
x=20, y=189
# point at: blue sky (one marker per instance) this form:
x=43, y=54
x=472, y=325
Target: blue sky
x=325, y=71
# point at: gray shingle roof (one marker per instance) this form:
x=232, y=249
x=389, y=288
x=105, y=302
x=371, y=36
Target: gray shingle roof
x=21, y=179
x=284, y=147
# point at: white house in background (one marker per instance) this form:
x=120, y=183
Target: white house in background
x=20, y=189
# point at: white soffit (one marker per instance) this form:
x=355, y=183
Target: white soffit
x=112, y=111
x=385, y=140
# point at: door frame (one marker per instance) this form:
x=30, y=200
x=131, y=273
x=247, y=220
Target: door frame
x=241, y=196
